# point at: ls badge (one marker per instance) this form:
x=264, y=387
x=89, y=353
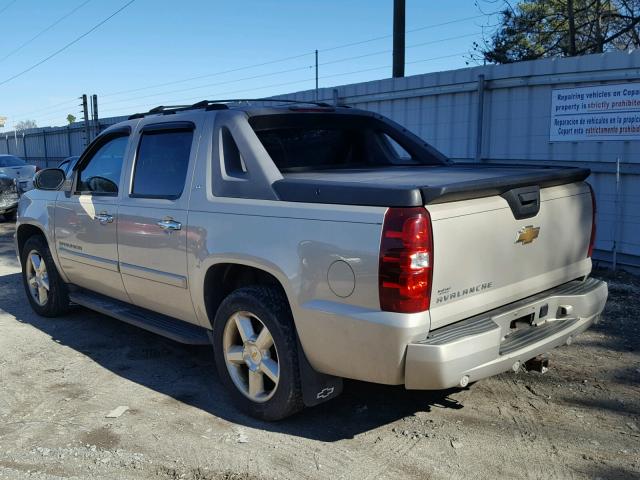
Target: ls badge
x=527, y=234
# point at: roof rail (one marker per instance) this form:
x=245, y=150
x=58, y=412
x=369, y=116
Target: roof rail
x=163, y=109
x=219, y=105
x=271, y=100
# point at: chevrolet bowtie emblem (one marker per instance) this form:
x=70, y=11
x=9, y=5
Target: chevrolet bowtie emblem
x=527, y=234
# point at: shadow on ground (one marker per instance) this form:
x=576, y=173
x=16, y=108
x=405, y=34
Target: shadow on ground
x=187, y=374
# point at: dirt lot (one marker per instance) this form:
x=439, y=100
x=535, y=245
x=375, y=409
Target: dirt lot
x=59, y=379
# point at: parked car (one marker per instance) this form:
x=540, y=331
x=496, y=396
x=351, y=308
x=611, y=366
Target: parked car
x=17, y=168
x=310, y=243
x=8, y=197
x=68, y=163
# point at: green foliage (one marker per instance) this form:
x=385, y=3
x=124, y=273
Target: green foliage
x=71, y=119
x=534, y=29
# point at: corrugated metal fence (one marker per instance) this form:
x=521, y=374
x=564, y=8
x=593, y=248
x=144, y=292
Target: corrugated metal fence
x=492, y=114
x=46, y=147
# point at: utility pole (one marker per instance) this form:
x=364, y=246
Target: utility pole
x=85, y=114
x=572, y=28
x=398, y=37
x=94, y=112
x=316, y=75
x=91, y=132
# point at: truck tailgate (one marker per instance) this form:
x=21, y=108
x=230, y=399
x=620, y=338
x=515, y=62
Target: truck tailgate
x=484, y=257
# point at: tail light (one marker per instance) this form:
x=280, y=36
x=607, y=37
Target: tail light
x=406, y=260
x=592, y=240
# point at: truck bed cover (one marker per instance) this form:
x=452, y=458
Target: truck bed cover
x=408, y=186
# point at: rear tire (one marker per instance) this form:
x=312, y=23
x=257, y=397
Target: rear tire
x=256, y=353
x=46, y=291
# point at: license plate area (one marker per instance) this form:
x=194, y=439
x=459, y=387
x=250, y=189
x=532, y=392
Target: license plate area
x=525, y=321
x=521, y=319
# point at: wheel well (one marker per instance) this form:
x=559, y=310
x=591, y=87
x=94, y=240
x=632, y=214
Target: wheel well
x=24, y=233
x=224, y=278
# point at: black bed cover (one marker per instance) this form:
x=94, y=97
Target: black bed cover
x=395, y=186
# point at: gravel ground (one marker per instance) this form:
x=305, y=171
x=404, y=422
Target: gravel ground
x=60, y=378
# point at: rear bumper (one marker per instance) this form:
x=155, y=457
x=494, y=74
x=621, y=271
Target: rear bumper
x=486, y=345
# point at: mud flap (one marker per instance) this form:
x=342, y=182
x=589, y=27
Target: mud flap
x=317, y=387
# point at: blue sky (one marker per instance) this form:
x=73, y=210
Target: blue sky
x=154, y=42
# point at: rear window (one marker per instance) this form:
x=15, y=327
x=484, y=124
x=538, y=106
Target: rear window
x=302, y=142
x=313, y=147
x=10, y=161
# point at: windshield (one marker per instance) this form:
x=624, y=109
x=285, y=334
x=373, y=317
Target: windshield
x=11, y=161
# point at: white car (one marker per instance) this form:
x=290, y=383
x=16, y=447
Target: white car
x=15, y=167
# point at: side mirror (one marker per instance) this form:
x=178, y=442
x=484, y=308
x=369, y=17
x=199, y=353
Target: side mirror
x=49, y=179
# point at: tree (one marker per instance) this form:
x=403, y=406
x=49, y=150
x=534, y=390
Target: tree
x=71, y=119
x=26, y=125
x=534, y=29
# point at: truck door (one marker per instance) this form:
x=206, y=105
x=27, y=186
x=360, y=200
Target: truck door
x=152, y=220
x=86, y=218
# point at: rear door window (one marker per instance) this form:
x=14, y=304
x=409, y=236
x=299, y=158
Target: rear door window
x=162, y=163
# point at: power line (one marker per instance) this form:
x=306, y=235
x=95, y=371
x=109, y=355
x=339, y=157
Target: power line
x=222, y=94
x=208, y=75
x=20, y=47
x=40, y=110
x=77, y=39
x=132, y=107
x=380, y=52
x=282, y=71
x=426, y=27
x=8, y=5
x=264, y=63
x=389, y=66
x=306, y=67
x=287, y=58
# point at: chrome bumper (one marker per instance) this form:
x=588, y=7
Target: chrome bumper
x=487, y=344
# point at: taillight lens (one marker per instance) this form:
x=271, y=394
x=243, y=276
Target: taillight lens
x=406, y=260
x=592, y=240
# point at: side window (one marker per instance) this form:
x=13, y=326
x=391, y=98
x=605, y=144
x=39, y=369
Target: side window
x=233, y=162
x=161, y=164
x=102, y=174
x=397, y=148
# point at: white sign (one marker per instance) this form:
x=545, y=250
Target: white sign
x=599, y=112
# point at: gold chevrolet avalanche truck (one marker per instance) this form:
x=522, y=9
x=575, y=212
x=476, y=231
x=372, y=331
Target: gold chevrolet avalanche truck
x=309, y=243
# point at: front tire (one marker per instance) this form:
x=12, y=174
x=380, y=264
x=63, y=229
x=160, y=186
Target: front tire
x=256, y=352
x=46, y=291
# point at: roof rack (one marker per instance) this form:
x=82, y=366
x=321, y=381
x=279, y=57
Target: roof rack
x=220, y=105
x=271, y=100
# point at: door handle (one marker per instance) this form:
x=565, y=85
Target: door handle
x=169, y=224
x=104, y=218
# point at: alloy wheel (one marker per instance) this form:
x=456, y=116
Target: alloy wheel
x=251, y=356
